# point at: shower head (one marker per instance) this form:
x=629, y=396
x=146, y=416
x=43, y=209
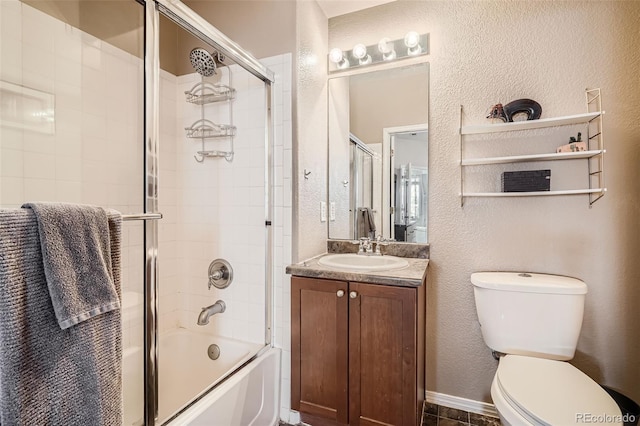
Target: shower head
x=203, y=62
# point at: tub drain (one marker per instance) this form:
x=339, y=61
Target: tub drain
x=213, y=351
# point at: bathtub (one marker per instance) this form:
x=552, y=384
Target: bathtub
x=186, y=372
x=250, y=397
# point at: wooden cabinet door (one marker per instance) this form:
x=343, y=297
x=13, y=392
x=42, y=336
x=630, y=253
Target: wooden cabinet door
x=319, y=353
x=382, y=355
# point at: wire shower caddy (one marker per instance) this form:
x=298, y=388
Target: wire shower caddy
x=204, y=93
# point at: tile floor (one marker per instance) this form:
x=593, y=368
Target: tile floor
x=438, y=415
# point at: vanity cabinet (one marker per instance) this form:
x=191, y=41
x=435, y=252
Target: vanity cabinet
x=357, y=352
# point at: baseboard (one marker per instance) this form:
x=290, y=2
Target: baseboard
x=289, y=416
x=459, y=403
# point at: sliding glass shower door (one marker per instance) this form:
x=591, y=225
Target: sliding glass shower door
x=362, y=171
x=213, y=195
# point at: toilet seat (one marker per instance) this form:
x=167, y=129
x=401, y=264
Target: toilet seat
x=549, y=392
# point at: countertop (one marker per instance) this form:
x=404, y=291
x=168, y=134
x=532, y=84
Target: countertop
x=411, y=276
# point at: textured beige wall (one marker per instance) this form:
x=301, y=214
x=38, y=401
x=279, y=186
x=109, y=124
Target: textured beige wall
x=485, y=52
x=310, y=131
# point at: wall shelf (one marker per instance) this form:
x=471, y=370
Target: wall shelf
x=593, y=156
x=533, y=157
x=537, y=193
x=530, y=124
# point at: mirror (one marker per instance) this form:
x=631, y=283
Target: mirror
x=378, y=154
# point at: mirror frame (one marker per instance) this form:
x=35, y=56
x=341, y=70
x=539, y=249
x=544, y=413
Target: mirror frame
x=402, y=63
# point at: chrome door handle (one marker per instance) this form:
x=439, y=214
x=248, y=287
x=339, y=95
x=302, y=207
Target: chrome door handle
x=353, y=295
x=340, y=293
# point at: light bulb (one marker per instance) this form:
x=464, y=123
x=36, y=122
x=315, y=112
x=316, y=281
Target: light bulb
x=360, y=53
x=412, y=41
x=386, y=48
x=337, y=57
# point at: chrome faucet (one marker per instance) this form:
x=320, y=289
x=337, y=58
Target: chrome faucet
x=365, y=246
x=217, y=308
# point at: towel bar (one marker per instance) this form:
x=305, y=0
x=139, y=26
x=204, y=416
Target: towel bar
x=142, y=216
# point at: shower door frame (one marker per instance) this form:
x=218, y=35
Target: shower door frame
x=190, y=21
x=357, y=146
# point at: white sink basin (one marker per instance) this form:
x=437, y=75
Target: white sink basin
x=359, y=263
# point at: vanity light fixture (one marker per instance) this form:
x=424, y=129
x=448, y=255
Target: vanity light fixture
x=386, y=50
x=337, y=57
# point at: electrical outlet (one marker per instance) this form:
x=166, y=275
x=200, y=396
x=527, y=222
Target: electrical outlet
x=323, y=211
x=332, y=211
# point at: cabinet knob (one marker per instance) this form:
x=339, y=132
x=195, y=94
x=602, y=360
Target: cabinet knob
x=340, y=293
x=353, y=295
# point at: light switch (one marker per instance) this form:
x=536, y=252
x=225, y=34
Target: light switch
x=323, y=211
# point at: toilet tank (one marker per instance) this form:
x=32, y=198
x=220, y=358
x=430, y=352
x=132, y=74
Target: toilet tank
x=530, y=314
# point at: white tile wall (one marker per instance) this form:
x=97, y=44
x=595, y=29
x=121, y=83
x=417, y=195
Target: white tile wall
x=94, y=157
x=222, y=210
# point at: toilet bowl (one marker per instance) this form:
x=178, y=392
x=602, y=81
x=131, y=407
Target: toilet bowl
x=534, y=320
x=537, y=391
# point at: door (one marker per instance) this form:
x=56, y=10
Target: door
x=319, y=354
x=382, y=355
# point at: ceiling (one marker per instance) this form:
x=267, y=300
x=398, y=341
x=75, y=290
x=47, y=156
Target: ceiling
x=333, y=8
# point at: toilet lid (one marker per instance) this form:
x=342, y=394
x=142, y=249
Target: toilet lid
x=554, y=392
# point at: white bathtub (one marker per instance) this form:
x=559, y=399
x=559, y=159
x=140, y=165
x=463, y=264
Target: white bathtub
x=186, y=372
x=248, y=398
x=132, y=387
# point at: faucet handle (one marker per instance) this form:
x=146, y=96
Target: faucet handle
x=380, y=241
x=220, y=274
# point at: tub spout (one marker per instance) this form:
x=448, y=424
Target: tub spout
x=217, y=308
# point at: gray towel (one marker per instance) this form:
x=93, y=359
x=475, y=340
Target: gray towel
x=50, y=376
x=77, y=260
x=366, y=223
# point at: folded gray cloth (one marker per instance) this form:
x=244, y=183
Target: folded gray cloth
x=77, y=260
x=50, y=376
x=365, y=222
x=371, y=223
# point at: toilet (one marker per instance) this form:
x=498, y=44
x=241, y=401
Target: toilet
x=533, y=321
